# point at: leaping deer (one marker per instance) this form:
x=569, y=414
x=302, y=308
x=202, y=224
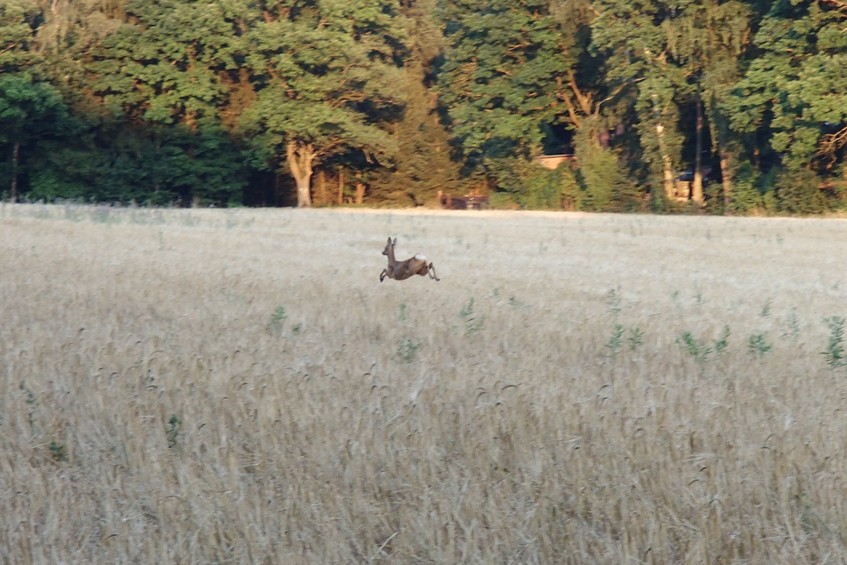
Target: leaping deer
x=402, y=270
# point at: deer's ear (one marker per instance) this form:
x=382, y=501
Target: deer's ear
x=393, y=242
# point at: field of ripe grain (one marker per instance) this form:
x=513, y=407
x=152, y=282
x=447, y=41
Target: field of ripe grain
x=237, y=386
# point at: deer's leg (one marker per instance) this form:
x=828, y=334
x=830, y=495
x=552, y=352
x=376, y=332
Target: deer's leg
x=432, y=274
x=383, y=274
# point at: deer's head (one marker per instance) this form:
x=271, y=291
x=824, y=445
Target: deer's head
x=389, y=246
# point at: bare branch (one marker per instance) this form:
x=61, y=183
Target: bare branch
x=831, y=143
x=9, y=48
x=840, y=5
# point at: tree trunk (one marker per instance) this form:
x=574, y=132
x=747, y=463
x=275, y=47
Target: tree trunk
x=667, y=164
x=697, y=184
x=300, y=158
x=321, y=188
x=340, y=186
x=16, y=151
x=726, y=178
x=360, y=193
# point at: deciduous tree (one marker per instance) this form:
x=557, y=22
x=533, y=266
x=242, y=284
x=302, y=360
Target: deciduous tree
x=792, y=96
x=503, y=64
x=29, y=112
x=326, y=76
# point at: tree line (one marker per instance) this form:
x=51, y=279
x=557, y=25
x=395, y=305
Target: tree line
x=729, y=107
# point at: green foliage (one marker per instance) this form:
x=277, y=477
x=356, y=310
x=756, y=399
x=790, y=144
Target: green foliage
x=159, y=65
x=277, y=322
x=325, y=82
x=58, y=451
x=31, y=113
x=791, y=92
x=533, y=187
x=173, y=430
x=798, y=192
x=700, y=350
x=167, y=166
x=423, y=163
x=630, y=36
x=544, y=189
x=604, y=184
x=31, y=402
x=616, y=340
x=614, y=301
x=834, y=353
x=189, y=103
x=499, y=77
x=752, y=191
x=720, y=344
x=277, y=319
x=635, y=338
x=697, y=349
x=473, y=322
x=27, y=107
x=18, y=48
x=757, y=344
x=407, y=349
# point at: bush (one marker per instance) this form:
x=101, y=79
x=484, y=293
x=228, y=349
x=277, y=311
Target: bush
x=798, y=192
x=546, y=189
x=605, y=185
x=533, y=187
x=752, y=192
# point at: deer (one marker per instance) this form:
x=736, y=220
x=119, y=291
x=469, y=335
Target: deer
x=402, y=270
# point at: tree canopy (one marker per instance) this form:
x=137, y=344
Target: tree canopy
x=722, y=106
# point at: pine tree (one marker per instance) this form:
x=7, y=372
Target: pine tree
x=423, y=164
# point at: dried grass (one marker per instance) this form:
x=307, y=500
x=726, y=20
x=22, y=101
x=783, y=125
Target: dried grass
x=237, y=386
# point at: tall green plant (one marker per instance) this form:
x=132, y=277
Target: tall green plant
x=835, y=353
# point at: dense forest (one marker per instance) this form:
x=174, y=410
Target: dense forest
x=727, y=107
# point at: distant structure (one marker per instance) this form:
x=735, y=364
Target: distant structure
x=552, y=162
x=470, y=201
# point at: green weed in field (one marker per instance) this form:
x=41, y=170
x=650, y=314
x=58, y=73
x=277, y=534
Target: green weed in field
x=407, y=349
x=473, y=323
x=766, y=308
x=616, y=340
x=793, y=329
x=834, y=353
x=757, y=344
x=30, y=401
x=636, y=338
x=277, y=320
x=722, y=342
x=613, y=301
x=697, y=349
x=172, y=430
x=58, y=451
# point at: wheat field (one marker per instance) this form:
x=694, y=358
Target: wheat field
x=236, y=386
